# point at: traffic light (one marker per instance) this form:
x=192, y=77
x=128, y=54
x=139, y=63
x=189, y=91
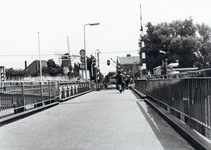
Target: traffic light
x=2, y=76
x=108, y=62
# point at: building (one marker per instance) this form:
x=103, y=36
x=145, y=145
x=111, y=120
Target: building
x=35, y=66
x=66, y=61
x=129, y=66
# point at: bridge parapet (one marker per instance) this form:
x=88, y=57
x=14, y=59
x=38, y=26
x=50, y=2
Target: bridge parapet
x=189, y=99
x=20, y=96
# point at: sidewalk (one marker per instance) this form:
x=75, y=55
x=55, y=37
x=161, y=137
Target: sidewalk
x=96, y=121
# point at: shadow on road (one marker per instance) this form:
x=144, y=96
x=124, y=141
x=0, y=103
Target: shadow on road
x=167, y=136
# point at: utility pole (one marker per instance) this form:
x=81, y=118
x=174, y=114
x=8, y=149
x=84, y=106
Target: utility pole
x=142, y=68
x=41, y=86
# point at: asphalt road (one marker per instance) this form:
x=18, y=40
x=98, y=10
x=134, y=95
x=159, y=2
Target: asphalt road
x=101, y=120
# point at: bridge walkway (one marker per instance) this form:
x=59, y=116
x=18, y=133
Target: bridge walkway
x=98, y=120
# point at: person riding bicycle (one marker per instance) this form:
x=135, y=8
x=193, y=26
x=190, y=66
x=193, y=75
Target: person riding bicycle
x=119, y=79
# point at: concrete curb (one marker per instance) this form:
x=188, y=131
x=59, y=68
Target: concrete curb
x=24, y=114
x=183, y=129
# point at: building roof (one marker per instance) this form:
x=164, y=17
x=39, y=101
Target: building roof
x=129, y=60
x=36, y=64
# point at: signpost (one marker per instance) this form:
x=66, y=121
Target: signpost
x=83, y=61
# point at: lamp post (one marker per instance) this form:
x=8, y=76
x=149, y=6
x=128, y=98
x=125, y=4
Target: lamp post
x=40, y=57
x=41, y=88
x=91, y=24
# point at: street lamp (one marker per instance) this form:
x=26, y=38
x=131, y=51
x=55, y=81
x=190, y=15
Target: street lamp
x=40, y=69
x=40, y=57
x=91, y=24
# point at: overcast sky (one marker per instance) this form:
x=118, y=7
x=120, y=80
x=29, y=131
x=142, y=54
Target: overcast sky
x=117, y=34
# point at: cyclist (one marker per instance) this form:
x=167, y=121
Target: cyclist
x=119, y=79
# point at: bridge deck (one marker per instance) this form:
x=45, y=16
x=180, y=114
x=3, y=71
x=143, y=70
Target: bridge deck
x=98, y=120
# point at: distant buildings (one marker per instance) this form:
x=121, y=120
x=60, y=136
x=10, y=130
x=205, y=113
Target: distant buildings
x=129, y=66
x=66, y=61
x=35, y=66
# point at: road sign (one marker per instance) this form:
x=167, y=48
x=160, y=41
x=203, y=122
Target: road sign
x=82, y=53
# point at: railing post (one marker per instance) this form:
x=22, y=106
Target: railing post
x=169, y=94
x=23, y=96
x=49, y=89
x=79, y=88
x=41, y=92
x=76, y=89
x=58, y=92
x=1, y=96
x=62, y=92
x=72, y=92
x=209, y=117
x=209, y=106
x=207, y=110
x=67, y=91
x=190, y=99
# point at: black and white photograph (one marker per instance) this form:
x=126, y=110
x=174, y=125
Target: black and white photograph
x=105, y=75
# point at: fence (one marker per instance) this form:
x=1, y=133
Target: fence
x=189, y=99
x=26, y=95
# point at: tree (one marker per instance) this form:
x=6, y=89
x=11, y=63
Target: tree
x=15, y=73
x=52, y=68
x=203, y=52
x=177, y=40
x=76, y=69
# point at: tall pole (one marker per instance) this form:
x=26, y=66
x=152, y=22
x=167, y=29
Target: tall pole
x=40, y=56
x=85, y=52
x=91, y=24
x=142, y=52
x=41, y=88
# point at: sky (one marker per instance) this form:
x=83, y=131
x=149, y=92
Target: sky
x=58, y=20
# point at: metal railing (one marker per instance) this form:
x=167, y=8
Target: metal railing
x=20, y=94
x=188, y=98
x=26, y=95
